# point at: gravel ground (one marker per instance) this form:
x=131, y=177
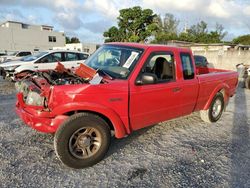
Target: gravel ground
x=180, y=153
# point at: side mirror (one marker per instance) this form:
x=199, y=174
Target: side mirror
x=146, y=78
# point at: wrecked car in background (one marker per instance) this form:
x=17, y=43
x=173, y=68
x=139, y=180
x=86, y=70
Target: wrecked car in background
x=122, y=87
x=46, y=60
x=200, y=61
x=14, y=56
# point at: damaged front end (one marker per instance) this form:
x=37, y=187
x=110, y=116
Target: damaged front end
x=31, y=93
x=34, y=90
x=35, y=86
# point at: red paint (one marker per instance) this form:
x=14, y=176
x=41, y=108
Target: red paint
x=128, y=106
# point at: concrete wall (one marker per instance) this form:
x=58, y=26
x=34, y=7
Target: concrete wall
x=14, y=38
x=225, y=59
x=82, y=47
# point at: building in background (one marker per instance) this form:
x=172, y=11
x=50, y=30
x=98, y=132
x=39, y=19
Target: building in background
x=16, y=36
x=81, y=47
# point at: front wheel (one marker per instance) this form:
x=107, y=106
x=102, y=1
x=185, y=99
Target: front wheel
x=82, y=140
x=215, y=110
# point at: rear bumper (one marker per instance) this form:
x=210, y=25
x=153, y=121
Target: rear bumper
x=38, y=119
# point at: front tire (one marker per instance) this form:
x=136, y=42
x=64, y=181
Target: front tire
x=82, y=140
x=215, y=110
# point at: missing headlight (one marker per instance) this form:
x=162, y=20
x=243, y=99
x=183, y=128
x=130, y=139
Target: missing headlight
x=35, y=99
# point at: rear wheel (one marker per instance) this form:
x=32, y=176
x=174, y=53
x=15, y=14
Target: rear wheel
x=215, y=110
x=82, y=140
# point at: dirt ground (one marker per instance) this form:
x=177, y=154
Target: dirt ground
x=179, y=153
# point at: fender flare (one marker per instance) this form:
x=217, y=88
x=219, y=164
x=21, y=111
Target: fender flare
x=220, y=87
x=119, y=127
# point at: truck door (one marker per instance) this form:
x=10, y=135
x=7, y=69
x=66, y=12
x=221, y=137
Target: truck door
x=153, y=103
x=189, y=84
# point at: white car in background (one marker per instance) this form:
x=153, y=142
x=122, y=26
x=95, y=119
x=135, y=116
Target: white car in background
x=46, y=60
x=14, y=56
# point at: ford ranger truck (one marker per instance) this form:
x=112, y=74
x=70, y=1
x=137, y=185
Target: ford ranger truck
x=141, y=85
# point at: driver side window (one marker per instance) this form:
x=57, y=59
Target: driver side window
x=51, y=58
x=162, y=65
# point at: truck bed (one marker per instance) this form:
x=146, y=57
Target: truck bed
x=206, y=70
x=210, y=79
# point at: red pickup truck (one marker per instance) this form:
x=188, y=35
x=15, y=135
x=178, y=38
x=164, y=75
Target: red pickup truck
x=140, y=85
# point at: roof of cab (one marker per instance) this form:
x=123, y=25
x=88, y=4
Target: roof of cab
x=146, y=46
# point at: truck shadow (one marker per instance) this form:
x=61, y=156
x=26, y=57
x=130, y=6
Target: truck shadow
x=119, y=144
x=240, y=146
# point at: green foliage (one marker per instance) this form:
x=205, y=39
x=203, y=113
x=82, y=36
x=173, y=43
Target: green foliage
x=199, y=33
x=243, y=39
x=113, y=34
x=134, y=25
x=74, y=40
x=69, y=40
x=167, y=29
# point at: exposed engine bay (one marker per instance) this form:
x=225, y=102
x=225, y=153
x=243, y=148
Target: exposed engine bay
x=34, y=85
x=60, y=76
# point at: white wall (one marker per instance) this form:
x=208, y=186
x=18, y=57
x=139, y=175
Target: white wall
x=15, y=38
x=226, y=59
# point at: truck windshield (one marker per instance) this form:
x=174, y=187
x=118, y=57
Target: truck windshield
x=117, y=61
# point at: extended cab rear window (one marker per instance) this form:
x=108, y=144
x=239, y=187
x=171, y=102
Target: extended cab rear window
x=187, y=66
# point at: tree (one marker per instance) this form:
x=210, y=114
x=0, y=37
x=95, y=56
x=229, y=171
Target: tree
x=243, y=39
x=199, y=33
x=113, y=34
x=220, y=31
x=69, y=40
x=170, y=23
x=134, y=25
x=167, y=28
x=198, y=29
x=74, y=40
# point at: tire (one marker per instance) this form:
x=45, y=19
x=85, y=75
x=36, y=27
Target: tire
x=82, y=140
x=247, y=82
x=214, y=112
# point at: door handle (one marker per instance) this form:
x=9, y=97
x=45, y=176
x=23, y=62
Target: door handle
x=176, y=89
x=35, y=67
x=78, y=63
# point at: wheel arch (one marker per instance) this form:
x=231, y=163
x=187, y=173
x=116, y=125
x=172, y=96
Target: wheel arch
x=222, y=88
x=111, y=117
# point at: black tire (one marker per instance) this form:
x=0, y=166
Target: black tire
x=208, y=115
x=68, y=131
x=247, y=82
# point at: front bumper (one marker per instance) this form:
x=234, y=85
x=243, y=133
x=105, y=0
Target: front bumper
x=37, y=118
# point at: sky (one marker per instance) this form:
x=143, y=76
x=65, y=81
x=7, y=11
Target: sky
x=88, y=19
